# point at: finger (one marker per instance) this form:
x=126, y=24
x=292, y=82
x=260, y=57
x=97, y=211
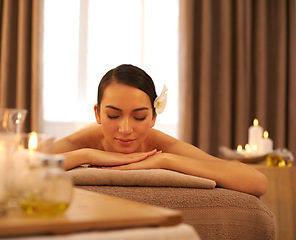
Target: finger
x=151, y=153
x=143, y=156
x=136, y=157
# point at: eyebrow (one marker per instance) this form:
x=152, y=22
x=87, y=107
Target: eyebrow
x=118, y=109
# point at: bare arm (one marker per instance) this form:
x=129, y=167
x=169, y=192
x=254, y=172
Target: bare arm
x=177, y=155
x=185, y=158
x=101, y=158
x=80, y=148
x=227, y=174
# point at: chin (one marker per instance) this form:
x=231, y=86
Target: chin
x=126, y=150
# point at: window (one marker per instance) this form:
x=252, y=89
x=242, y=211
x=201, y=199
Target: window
x=83, y=39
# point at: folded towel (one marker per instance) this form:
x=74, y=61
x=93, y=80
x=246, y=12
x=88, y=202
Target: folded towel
x=152, y=178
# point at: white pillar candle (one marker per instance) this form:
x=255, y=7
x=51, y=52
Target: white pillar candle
x=266, y=145
x=255, y=136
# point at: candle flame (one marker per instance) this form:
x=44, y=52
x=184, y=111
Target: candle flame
x=33, y=141
x=265, y=134
x=256, y=122
x=248, y=148
x=239, y=148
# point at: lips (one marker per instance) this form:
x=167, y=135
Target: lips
x=124, y=141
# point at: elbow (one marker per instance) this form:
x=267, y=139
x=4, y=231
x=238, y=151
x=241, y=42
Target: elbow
x=261, y=186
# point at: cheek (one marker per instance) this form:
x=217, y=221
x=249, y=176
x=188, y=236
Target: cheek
x=143, y=127
x=108, y=126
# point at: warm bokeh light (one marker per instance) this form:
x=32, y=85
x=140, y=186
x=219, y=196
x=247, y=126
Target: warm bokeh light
x=255, y=122
x=33, y=141
x=248, y=148
x=265, y=134
x=239, y=148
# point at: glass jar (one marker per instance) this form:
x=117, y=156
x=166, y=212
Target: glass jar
x=281, y=157
x=46, y=189
x=11, y=119
x=8, y=145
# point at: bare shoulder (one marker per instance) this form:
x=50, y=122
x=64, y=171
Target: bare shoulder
x=166, y=143
x=160, y=140
x=88, y=137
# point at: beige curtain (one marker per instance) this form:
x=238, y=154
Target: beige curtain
x=19, y=59
x=237, y=63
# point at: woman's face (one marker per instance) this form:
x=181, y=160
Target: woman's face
x=125, y=116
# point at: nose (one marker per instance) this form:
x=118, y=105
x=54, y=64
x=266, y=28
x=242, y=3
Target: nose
x=125, y=127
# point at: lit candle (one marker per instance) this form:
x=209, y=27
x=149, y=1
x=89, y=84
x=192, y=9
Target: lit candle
x=248, y=150
x=239, y=148
x=33, y=141
x=266, y=145
x=32, y=146
x=255, y=137
x=27, y=155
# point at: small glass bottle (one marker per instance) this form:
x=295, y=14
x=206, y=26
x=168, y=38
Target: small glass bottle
x=273, y=160
x=46, y=189
x=280, y=158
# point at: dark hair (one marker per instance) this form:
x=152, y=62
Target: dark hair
x=129, y=75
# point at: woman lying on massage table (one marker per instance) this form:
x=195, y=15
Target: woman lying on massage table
x=124, y=139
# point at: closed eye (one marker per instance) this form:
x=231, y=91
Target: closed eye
x=112, y=117
x=140, y=119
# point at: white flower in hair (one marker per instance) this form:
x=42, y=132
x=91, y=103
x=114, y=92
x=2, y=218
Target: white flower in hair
x=160, y=101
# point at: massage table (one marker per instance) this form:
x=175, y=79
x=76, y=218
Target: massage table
x=215, y=213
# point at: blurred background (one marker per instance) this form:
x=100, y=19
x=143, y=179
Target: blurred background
x=225, y=63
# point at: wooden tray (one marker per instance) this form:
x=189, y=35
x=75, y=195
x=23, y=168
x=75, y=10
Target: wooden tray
x=89, y=211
